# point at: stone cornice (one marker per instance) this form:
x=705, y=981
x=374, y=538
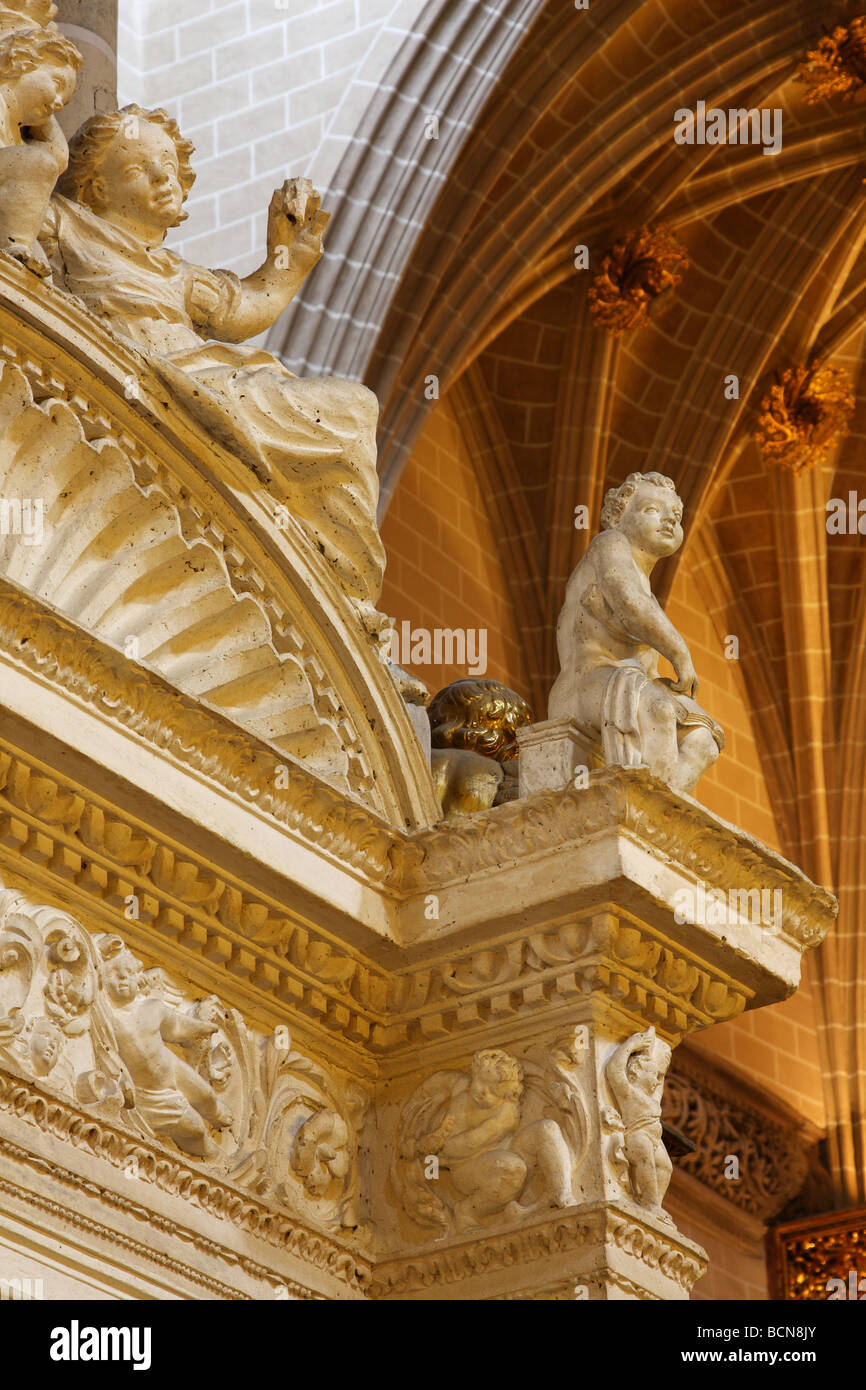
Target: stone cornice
x=679, y=830
x=365, y=995
x=196, y=736
x=460, y=1260
x=169, y=1171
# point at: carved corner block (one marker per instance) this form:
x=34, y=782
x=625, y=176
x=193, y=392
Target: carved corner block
x=551, y=753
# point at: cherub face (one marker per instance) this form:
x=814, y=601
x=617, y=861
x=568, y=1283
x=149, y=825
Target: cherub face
x=138, y=176
x=488, y=1088
x=38, y=94
x=653, y=519
x=45, y=1043
x=122, y=978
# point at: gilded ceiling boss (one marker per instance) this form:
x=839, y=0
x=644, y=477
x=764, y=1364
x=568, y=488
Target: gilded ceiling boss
x=611, y=632
x=128, y=177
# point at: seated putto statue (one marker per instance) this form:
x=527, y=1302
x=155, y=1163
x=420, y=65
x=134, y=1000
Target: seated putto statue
x=313, y=440
x=37, y=77
x=611, y=632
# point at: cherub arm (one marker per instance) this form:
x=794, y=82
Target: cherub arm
x=501, y=1123
x=640, y=613
x=50, y=137
x=296, y=225
x=180, y=1028
x=617, y=1075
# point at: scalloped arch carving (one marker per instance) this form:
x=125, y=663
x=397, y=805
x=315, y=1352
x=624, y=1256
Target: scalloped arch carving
x=114, y=559
x=163, y=543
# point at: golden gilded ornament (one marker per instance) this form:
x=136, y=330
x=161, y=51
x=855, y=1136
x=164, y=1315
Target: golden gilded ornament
x=473, y=729
x=819, y=1258
x=837, y=66
x=803, y=416
x=480, y=715
x=641, y=267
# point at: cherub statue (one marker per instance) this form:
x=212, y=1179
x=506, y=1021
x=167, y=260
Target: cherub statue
x=38, y=69
x=129, y=174
x=611, y=632
x=480, y=1141
x=170, y=1096
x=636, y=1075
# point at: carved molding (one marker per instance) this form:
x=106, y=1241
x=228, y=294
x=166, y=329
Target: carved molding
x=673, y=827
x=141, y=701
x=595, y=952
x=27, y=1100
x=60, y=1216
x=568, y=1232
x=111, y=858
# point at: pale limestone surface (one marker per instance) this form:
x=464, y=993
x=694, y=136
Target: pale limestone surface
x=611, y=632
x=37, y=77
x=128, y=176
x=267, y=1029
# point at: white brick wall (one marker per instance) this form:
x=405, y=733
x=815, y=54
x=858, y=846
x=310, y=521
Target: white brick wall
x=264, y=88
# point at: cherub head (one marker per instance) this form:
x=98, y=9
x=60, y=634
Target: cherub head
x=646, y=508
x=496, y=1077
x=121, y=970
x=45, y=1041
x=481, y=715
x=37, y=74
x=133, y=168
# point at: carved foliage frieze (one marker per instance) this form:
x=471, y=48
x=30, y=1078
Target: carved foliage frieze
x=81, y=1015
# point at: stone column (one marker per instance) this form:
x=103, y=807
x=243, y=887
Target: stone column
x=564, y=961
x=92, y=27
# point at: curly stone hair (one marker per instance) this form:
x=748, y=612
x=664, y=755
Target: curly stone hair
x=88, y=146
x=27, y=48
x=494, y=1065
x=616, y=499
x=480, y=715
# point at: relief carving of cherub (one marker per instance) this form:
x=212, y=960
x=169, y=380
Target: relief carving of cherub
x=636, y=1075
x=169, y=1094
x=490, y=1156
